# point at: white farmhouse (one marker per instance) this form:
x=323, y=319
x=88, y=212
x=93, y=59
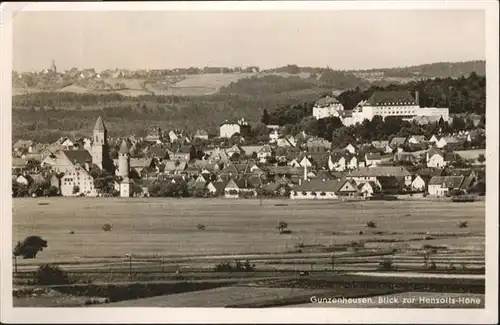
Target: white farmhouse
x=440, y=185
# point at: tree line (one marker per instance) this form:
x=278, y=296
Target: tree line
x=459, y=95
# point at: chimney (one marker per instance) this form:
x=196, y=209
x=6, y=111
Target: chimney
x=417, y=98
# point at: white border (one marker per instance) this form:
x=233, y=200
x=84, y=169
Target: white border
x=281, y=315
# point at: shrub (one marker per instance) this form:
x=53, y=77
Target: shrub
x=322, y=193
x=50, y=275
x=371, y=224
x=299, y=245
x=237, y=267
x=432, y=266
x=107, y=227
x=304, y=193
x=386, y=265
x=463, y=224
x=313, y=193
x=200, y=226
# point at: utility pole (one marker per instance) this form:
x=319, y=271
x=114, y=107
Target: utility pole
x=129, y=256
x=260, y=194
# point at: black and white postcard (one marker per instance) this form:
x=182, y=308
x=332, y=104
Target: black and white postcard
x=255, y=162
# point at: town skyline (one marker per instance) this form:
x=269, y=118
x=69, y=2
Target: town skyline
x=85, y=40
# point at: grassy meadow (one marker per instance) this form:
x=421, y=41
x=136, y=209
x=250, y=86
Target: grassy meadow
x=168, y=227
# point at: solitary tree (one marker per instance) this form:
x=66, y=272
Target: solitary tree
x=30, y=247
x=282, y=226
x=481, y=159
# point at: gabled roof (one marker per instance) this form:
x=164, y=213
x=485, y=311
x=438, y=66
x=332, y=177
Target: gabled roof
x=459, y=172
x=33, y=156
x=78, y=156
x=327, y=101
x=201, y=133
x=140, y=162
x=172, y=166
x=373, y=156
x=318, y=185
x=230, y=169
x=286, y=170
x=272, y=187
x=220, y=186
x=22, y=144
x=18, y=162
x=430, y=172
x=380, y=144
x=434, y=151
x=419, y=138
x=447, y=181
x=160, y=152
x=380, y=171
x=397, y=141
x=392, y=98
x=468, y=181
x=37, y=178
x=390, y=182
x=450, y=156
x=183, y=149
x=405, y=156
x=450, y=140
x=265, y=149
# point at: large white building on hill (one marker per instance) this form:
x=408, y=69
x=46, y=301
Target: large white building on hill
x=326, y=107
x=392, y=103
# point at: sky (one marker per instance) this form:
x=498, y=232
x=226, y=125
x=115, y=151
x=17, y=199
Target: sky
x=343, y=40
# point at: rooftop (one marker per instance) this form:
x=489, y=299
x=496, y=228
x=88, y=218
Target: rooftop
x=99, y=125
x=387, y=98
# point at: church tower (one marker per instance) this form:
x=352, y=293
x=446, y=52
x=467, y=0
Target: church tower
x=100, y=152
x=123, y=170
x=123, y=160
x=53, y=67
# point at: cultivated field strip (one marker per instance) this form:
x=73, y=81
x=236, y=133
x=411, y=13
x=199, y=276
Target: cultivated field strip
x=162, y=236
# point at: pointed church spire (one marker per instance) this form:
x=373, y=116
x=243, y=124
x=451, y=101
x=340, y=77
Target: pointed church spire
x=124, y=147
x=99, y=125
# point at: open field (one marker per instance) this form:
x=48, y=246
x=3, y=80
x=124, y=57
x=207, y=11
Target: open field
x=219, y=297
x=471, y=154
x=168, y=227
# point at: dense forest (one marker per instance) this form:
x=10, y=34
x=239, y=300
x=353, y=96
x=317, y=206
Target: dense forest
x=436, y=70
x=459, y=95
x=432, y=70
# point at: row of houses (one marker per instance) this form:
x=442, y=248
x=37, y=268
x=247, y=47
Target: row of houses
x=369, y=168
